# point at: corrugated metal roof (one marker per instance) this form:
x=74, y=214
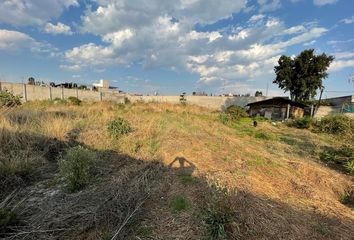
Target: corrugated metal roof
x=280, y=100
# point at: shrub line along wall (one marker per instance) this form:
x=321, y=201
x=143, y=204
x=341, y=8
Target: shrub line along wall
x=32, y=92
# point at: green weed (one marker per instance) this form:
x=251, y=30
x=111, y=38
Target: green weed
x=8, y=219
x=7, y=99
x=302, y=123
x=264, y=136
x=179, y=204
x=74, y=101
x=187, y=180
x=118, y=127
x=337, y=124
x=75, y=167
x=218, y=213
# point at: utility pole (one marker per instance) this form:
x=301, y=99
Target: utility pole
x=319, y=101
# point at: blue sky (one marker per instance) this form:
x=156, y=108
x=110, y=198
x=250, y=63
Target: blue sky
x=147, y=46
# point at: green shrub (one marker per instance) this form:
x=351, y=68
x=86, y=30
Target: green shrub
x=328, y=156
x=344, y=198
x=264, y=135
x=218, y=213
x=59, y=101
x=236, y=112
x=223, y=118
x=187, y=180
x=349, y=166
x=179, y=204
x=75, y=167
x=337, y=124
x=8, y=219
x=118, y=127
x=347, y=197
x=74, y=101
x=232, y=114
x=7, y=99
x=302, y=123
x=343, y=156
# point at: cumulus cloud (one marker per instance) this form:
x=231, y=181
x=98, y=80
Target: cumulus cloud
x=342, y=60
x=340, y=64
x=348, y=20
x=268, y=5
x=113, y=15
x=13, y=40
x=58, y=28
x=324, y=2
x=32, y=12
x=162, y=34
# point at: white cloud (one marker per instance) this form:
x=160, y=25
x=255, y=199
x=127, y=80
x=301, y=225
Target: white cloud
x=89, y=54
x=32, y=12
x=256, y=18
x=13, y=40
x=269, y=5
x=164, y=36
x=340, y=64
x=342, y=60
x=295, y=29
x=339, y=42
x=112, y=16
x=251, y=63
x=71, y=68
x=343, y=55
x=348, y=20
x=306, y=44
x=59, y=28
x=324, y=2
x=118, y=38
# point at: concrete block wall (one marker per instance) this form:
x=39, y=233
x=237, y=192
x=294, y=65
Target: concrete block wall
x=214, y=103
x=339, y=101
x=323, y=111
x=31, y=92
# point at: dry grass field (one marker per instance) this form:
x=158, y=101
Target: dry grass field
x=176, y=173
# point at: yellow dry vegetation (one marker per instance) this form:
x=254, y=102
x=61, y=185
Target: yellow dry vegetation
x=281, y=189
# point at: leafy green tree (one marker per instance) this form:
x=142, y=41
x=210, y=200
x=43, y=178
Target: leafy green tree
x=31, y=81
x=302, y=76
x=258, y=94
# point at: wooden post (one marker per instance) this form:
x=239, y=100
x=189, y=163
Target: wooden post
x=288, y=111
x=77, y=93
x=24, y=92
x=100, y=96
x=311, y=113
x=62, y=92
x=319, y=100
x=50, y=93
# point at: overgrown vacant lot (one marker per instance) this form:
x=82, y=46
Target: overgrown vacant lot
x=160, y=171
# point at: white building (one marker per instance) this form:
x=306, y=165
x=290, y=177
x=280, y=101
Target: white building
x=102, y=84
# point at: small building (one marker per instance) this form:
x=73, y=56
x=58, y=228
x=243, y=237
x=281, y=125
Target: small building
x=102, y=84
x=277, y=108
